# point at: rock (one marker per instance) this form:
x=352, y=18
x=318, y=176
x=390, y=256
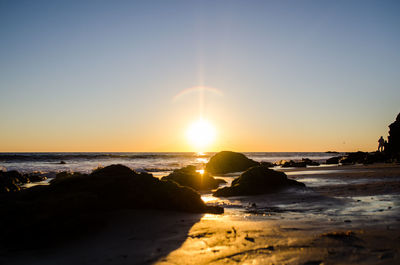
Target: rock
x=228, y=162
x=393, y=145
x=333, y=160
x=291, y=163
x=350, y=158
x=331, y=152
x=267, y=164
x=375, y=157
x=112, y=188
x=356, y=157
x=9, y=181
x=280, y=162
x=35, y=177
x=345, y=237
x=188, y=176
x=75, y=203
x=258, y=180
x=251, y=239
x=309, y=162
x=353, y=158
x=62, y=163
x=61, y=176
x=346, y=161
x=118, y=186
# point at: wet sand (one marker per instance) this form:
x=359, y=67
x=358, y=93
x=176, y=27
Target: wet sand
x=347, y=215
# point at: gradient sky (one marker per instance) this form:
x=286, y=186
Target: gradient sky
x=290, y=75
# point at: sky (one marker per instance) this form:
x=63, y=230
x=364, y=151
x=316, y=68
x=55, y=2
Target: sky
x=119, y=75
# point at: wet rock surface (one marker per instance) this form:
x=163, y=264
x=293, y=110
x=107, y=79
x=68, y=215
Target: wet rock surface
x=258, y=180
x=228, y=162
x=188, y=176
x=10, y=181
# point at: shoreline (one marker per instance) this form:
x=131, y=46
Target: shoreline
x=346, y=223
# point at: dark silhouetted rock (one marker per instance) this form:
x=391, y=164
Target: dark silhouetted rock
x=292, y=163
x=258, y=180
x=35, y=177
x=63, y=162
x=349, y=159
x=267, y=164
x=331, y=152
x=310, y=162
x=393, y=145
x=375, y=157
x=227, y=162
x=118, y=186
x=333, y=160
x=357, y=157
x=353, y=158
x=346, y=161
x=74, y=203
x=188, y=176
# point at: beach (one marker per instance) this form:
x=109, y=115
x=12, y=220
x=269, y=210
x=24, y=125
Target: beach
x=199, y=132
x=345, y=215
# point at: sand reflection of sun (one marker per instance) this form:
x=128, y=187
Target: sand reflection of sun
x=201, y=171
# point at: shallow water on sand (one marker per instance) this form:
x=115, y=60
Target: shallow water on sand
x=294, y=204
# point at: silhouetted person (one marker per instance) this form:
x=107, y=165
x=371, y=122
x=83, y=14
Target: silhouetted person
x=381, y=145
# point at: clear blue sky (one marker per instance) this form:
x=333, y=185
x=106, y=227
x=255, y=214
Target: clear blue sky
x=101, y=75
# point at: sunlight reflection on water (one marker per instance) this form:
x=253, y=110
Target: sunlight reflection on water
x=202, y=160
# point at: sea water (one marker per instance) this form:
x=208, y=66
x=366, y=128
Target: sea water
x=149, y=162
x=290, y=204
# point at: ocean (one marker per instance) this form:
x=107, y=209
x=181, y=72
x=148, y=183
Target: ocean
x=356, y=199
x=149, y=162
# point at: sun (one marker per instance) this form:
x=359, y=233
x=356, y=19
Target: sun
x=201, y=134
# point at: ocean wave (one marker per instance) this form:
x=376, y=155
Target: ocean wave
x=4, y=157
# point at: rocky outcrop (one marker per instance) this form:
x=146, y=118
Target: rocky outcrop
x=119, y=187
x=188, y=176
x=359, y=158
x=258, y=180
x=351, y=158
x=291, y=163
x=333, y=160
x=267, y=164
x=75, y=203
x=302, y=163
x=228, y=162
x=393, y=145
x=309, y=162
x=10, y=181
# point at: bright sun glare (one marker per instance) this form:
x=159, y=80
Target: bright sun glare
x=200, y=134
